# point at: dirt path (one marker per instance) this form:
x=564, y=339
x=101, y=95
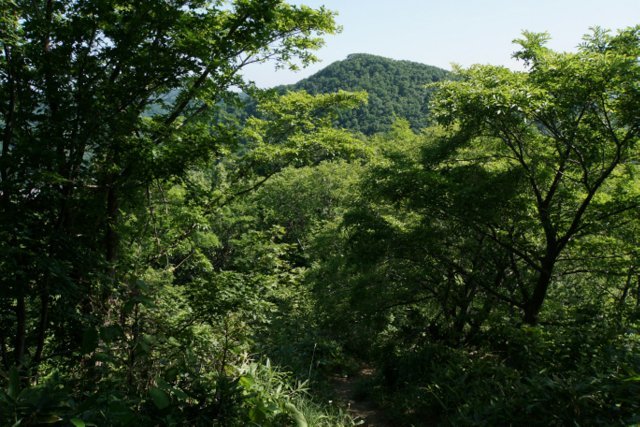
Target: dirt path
x=361, y=407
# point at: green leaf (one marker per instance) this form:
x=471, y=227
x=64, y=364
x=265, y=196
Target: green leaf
x=14, y=383
x=141, y=284
x=77, y=422
x=297, y=416
x=179, y=393
x=159, y=397
x=146, y=348
x=246, y=382
x=49, y=419
x=144, y=300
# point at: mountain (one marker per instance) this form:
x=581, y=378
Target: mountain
x=396, y=89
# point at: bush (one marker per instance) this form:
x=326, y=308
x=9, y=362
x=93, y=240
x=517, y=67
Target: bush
x=516, y=376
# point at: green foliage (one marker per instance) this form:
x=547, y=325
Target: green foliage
x=566, y=127
x=273, y=402
x=519, y=208
x=124, y=296
x=155, y=249
x=538, y=376
x=397, y=89
x=295, y=130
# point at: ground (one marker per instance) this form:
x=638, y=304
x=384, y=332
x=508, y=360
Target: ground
x=359, y=404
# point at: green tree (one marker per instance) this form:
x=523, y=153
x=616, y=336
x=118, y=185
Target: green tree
x=76, y=79
x=569, y=126
x=397, y=89
x=519, y=209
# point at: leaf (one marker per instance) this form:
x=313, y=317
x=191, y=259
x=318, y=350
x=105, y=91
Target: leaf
x=49, y=419
x=141, y=284
x=77, y=422
x=144, y=300
x=179, y=393
x=144, y=347
x=246, y=382
x=297, y=416
x=14, y=383
x=159, y=397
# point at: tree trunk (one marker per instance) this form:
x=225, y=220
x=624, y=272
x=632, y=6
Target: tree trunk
x=3, y=351
x=42, y=324
x=111, y=236
x=21, y=332
x=534, y=304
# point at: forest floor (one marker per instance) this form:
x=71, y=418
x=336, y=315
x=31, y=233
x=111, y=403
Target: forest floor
x=348, y=391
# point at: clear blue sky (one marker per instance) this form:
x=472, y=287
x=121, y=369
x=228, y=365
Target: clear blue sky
x=452, y=31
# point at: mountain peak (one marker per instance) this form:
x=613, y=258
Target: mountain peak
x=396, y=90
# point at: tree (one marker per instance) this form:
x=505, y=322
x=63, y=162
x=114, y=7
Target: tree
x=80, y=147
x=569, y=125
x=397, y=89
x=414, y=262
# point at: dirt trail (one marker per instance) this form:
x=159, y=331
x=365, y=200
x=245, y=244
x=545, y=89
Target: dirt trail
x=362, y=407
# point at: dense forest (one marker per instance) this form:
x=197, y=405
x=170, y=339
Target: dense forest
x=396, y=89
x=169, y=257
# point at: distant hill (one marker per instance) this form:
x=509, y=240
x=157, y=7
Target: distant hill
x=396, y=89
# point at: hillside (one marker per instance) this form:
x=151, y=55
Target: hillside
x=174, y=252
x=396, y=89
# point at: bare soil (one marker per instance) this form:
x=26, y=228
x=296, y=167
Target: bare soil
x=362, y=408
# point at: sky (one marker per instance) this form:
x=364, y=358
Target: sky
x=443, y=32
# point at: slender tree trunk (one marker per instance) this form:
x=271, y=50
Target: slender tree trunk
x=111, y=240
x=462, y=318
x=534, y=304
x=8, y=119
x=42, y=324
x=111, y=235
x=21, y=330
x=3, y=351
x=625, y=291
x=135, y=332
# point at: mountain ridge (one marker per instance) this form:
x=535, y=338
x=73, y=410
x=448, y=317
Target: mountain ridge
x=396, y=88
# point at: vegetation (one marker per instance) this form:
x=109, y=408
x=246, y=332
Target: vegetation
x=122, y=297
x=397, y=89
x=165, y=262
x=489, y=263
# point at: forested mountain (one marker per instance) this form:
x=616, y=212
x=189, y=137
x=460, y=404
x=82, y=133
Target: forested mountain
x=397, y=89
